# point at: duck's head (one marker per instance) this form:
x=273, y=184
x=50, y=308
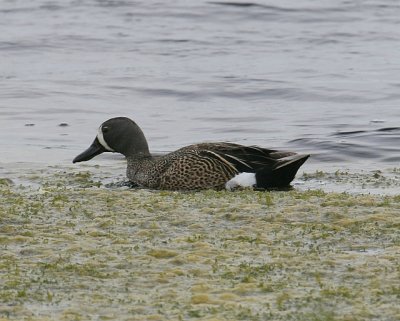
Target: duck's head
x=117, y=135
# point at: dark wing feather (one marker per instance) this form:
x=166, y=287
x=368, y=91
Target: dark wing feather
x=243, y=158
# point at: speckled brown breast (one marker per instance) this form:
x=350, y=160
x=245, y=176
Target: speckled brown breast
x=185, y=169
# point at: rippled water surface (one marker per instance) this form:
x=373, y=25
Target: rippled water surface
x=321, y=77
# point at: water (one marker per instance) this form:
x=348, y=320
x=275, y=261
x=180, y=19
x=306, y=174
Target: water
x=321, y=77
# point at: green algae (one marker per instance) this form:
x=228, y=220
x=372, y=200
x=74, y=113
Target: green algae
x=74, y=250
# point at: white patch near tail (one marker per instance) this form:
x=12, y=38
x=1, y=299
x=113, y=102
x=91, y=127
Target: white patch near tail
x=241, y=180
x=102, y=141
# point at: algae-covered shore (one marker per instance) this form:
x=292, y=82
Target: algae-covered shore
x=74, y=249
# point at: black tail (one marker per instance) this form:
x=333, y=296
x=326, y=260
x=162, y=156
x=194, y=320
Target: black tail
x=281, y=175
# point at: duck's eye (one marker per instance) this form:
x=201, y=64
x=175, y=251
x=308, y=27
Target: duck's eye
x=104, y=129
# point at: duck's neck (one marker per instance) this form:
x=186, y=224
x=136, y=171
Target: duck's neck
x=134, y=147
x=137, y=156
x=138, y=151
x=138, y=159
x=139, y=168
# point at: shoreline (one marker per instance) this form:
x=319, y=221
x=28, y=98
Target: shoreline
x=111, y=173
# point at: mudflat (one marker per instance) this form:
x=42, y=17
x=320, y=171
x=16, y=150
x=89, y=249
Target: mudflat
x=74, y=249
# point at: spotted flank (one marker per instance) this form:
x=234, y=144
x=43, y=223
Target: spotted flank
x=217, y=165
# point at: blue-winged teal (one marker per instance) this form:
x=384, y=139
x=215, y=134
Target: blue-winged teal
x=194, y=167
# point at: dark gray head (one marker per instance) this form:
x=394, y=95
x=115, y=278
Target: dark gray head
x=117, y=135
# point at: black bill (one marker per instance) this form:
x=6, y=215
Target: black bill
x=95, y=149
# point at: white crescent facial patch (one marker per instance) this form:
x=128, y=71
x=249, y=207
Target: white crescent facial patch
x=102, y=141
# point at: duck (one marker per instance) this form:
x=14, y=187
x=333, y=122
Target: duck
x=215, y=165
